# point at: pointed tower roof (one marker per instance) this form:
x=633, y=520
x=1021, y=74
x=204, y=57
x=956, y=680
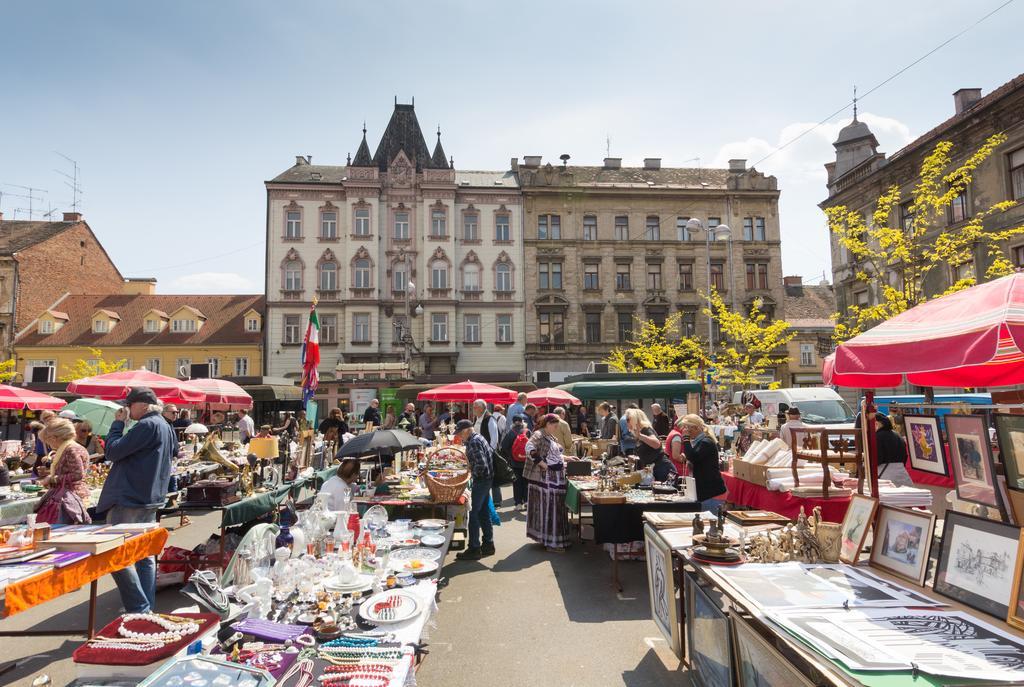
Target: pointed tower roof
x=363, y=158
x=438, y=159
x=403, y=133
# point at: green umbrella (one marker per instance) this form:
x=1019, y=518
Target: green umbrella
x=98, y=412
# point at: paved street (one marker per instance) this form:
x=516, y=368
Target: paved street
x=528, y=617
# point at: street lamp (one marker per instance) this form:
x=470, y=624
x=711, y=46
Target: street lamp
x=721, y=232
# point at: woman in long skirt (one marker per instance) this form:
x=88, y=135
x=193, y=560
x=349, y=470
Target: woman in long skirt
x=547, y=520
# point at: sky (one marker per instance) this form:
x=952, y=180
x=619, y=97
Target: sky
x=177, y=112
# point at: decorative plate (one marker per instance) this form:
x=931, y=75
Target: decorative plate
x=416, y=566
x=418, y=552
x=360, y=584
x=431, y=524
x=393, y=606
x=409, y=541
x=375, y=518
x=432, y=540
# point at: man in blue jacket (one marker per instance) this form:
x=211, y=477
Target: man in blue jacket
x=137, y=485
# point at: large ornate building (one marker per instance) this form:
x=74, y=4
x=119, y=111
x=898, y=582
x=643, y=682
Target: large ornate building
x=412, y=260
x=610, y=246
x=860, y=173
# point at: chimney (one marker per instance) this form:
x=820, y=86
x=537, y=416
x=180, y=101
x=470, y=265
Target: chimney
x=1, y=216
x=514, y=164
x=532, y=160
x=737, y=166
x=303, y=159
x=72, y=216
x=965, y=98
x=652, y=163
x=613, y=163
x=144, y=286
x=793, y=281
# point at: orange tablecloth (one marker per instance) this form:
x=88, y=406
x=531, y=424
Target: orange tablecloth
x=35, y=590
x=744, y=493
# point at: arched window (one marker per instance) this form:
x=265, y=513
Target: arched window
x=471, y=277
x=361, y=273
x=328, y=276
x=439, y=274
x=293, y=276
x=503, y=277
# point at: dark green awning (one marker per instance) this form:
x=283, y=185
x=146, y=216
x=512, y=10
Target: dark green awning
x=639, y=388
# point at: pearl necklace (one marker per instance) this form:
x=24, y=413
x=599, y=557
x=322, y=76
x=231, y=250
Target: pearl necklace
x=177, y=628
x=356, y=680
x=124, y=645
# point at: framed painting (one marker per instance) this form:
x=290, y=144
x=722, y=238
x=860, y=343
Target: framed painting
x=1015, y=617
x=662, y=585
x=976, y=562
x=758, y=663
x=708, y=637
x=855, y=527
x=924, y=443
x=903, y=541
x=971, y=456
x=1010, y=435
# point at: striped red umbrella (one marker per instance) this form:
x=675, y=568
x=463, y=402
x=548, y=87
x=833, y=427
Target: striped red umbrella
x=552, y=397
x=971, y=338
x=223, y=392
x=467, y=392
x=115, y=386
x=17, y=398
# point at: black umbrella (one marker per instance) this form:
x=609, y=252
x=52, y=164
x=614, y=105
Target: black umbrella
x=377, y=442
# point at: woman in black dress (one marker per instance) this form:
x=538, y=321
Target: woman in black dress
x=701, y=452
x=648, y=445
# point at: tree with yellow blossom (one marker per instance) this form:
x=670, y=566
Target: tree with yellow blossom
x=752, y=343
x=659, y=347
x=95, y=365
x=898, y=257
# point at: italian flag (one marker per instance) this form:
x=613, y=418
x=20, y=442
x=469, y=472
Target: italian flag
x=311, y=356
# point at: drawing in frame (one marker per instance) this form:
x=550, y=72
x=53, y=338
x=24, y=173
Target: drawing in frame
x=970, y=453
x=1015, y=616
x=924, y=443
x=976, y=562
x=1010, y=433
x=758, y=663
x=856, y=523
x=661, y=582
x=903, y=542
x=708, y=637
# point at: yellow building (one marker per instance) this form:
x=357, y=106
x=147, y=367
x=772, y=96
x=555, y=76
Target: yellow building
x=168, y=334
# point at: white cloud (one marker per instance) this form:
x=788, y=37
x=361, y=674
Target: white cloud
x=214, y=282
x=801, y=174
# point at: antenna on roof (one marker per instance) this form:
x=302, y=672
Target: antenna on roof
x=607, y=145
x=32, y=197
x=72, y=182
x=855, y=103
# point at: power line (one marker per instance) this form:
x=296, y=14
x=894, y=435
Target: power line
x=879, y=85
x=196, y=262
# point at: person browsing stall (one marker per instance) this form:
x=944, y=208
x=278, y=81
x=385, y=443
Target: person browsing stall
x=518, y=408
x=793, y=421
x=481, y=464
x=702, y=454
x=563, y=432
x=338, y=488
x=660, y=421
x=246, y=427
x=92, y=443
x=137, y=485
x=648, y=446
x=372, y=414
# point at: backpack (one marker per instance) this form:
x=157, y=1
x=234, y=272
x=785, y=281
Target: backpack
x=519, y=447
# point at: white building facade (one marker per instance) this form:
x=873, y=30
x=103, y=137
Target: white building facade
x=407, y=256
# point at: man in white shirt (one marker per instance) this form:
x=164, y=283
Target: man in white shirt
x=246, y=428
x=338, y=488
x=500, y=419
x=484, y=423
x=793, y=421
x=754, y=416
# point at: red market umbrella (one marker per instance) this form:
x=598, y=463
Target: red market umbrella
x=971, y=338
x=552, y=397
x=222, y=392
x=467, y=392
x=16, y=398
x=114, y=386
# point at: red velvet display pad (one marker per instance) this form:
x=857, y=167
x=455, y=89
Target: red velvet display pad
x=744, y=493
x=127, y=657
x=930, y=478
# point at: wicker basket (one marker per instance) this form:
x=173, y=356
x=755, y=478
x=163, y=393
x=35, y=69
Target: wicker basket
x=446, y=486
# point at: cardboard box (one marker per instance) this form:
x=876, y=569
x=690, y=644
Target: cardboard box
x=749, y=472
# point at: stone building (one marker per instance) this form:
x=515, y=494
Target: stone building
x=358, y=235
x=609, y=246
x=40, y=261
x=860, y=173
x=808, y=309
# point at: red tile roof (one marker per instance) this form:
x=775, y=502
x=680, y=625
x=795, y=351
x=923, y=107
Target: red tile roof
x=225, y=323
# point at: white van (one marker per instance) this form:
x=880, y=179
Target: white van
x=818, y=405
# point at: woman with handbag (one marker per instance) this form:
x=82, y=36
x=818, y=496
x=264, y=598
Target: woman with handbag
x=648, y=445
x=65, y=501
x=547, y=520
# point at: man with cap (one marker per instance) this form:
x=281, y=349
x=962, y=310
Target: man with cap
x=793, y=421
x=137, y=485
x=480, y=458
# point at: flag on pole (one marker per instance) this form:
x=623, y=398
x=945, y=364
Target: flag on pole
x=311, y=356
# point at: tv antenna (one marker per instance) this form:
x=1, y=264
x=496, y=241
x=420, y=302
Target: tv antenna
x=31, y=197
x=72, y=180
x=607, y=145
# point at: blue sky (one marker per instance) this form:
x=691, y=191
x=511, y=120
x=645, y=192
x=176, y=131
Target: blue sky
x=178, y=111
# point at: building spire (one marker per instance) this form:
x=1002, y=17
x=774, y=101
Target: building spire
x=363, y=158
x=855, y=103
x=437, y=160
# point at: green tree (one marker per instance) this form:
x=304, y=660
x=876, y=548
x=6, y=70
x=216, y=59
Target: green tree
x=96, y=365
x=900, y=259
x=752, y=343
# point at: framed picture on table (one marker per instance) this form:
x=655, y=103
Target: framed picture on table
x=977, y=561
x=903, y=541
x=1015, y=617
x=758, y=663
x=855, y=526
x=1010, y=434
x=924, y=443
x=971, y=455
x=708, y=637
x=662, y=585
